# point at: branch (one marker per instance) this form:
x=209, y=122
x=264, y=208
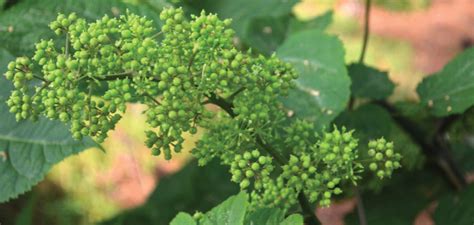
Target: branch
x=366, y=31
x=151, y=98
x=435, y=148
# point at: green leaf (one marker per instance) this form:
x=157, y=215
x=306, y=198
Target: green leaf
x=450, y=91
x=192, y=189
x=29, y=149
x=265, y=216
x=372, y=122
x=456, y=209
x=230, y=212
x=319, y=23
x=267, y=33
x=401, y=201
x=233, y=211
x=27, y=22
x=368, y=82
x=183, y=219
x=323, y=86
x=294, y=219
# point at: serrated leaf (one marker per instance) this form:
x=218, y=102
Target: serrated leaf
x=323, y=86
x=192, y=189
x=27, y=22
x=368, y=82
x=29, y=149
x=265, y=216
x=230, y=212
x=294, y=219
x=372, y=122
x=450, y=91
x=183, y=219
x=456, y=209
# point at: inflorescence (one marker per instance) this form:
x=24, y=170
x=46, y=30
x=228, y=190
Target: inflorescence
x=176, y=72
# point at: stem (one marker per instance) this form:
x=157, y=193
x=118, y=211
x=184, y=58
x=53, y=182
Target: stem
x=279, y=158
x=66, y=48
x=310, y=216
x=360, y=208
x=157, y=35
x=365, y=41
x=366, y=31
x=151, y=98
x=40, y=78
x=232, y=96
x=116, y=75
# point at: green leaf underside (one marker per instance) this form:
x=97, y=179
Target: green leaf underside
x=451, y=90
x=29, y=149
x=323, y=86
x=368, y=82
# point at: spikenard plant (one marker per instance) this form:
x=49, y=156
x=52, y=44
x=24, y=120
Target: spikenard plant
x=278, y=161
x=293, y=124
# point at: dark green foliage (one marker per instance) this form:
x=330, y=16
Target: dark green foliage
x=233, y=211
x=458, y=208
x=253, y=20
x=368, y=82
x=370, y=121
x=398, y=204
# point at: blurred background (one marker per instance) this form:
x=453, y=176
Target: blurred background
x=409, y=39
